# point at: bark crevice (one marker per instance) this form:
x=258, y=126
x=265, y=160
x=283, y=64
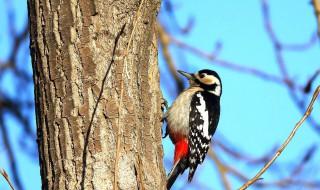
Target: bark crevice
x=97, y=94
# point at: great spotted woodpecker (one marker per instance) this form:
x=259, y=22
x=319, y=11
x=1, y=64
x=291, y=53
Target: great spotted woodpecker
x=192, y=120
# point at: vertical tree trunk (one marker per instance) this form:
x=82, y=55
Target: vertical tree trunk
x=74, y=43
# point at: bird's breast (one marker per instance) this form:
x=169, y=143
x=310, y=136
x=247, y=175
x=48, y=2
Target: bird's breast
x=178, y=114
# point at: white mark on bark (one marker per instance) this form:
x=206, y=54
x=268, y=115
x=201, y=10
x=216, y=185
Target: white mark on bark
x=56, y=29
x=127, y=177
x=100, y=179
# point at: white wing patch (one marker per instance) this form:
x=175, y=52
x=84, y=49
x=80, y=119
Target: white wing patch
x=205, y=116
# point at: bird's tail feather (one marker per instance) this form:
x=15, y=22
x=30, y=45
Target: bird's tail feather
x=176, y=170
x=192, y=169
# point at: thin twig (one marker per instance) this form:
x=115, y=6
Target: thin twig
x=289, y=182
x=6, y=177
x=10, y=152
x=236, y=153
x=301, y=46
x=274, y=39
x=304, y=161
x=286, y=142
x=119, y=134
x=164, y=40
x=170, y=10
x=213, y=58
x=227, y=168
x=278, y=49
x=225, y=63
x=134, y=27
x=222, y=169
x=308, y=86
x=86, y=140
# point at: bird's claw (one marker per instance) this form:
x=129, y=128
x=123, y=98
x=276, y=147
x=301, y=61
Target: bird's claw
x=164, y=108
x=164, y=105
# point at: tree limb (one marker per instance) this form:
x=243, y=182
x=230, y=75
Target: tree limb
x=284, y=145
x=6, y=177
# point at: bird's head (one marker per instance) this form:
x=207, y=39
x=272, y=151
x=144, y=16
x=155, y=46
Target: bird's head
x=207, y=79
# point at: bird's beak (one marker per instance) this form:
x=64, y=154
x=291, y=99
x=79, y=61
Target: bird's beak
x=187, y=75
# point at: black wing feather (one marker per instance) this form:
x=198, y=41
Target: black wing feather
x=199, y=139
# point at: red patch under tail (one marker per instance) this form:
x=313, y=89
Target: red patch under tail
x=181, y=149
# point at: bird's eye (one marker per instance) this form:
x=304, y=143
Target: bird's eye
x=202, y=75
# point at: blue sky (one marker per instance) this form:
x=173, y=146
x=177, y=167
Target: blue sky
x=256, y=114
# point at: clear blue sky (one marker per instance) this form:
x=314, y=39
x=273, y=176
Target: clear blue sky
x=256, y=114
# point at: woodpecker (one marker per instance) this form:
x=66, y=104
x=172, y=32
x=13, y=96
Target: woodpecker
x=192, y=120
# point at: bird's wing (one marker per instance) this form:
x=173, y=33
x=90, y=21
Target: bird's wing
x=199, y=135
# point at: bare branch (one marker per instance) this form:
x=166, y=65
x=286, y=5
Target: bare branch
x=274, y=39
x=10, y=153
x=301, y=46
x=222, y=169
x=226, y=64
x=308, y=86
x=239, y=155
x=164, y=40
x=6, y=177
x=226, y=168
x=88, y=132
x=284, y=145
x=278, y=49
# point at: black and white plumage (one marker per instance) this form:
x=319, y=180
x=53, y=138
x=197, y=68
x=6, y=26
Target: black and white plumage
x=204, y=117
x=192, y=120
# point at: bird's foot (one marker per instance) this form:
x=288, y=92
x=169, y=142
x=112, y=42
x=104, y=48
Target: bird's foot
x=164, y=108
x=164, y=105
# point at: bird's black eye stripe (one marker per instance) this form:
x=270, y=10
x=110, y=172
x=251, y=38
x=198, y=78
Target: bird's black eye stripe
x=202, y=75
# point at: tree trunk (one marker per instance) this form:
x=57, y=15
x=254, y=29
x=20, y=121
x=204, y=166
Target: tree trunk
x=97, y=94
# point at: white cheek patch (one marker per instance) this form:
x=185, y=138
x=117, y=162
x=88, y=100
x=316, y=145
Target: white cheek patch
x=210, y=80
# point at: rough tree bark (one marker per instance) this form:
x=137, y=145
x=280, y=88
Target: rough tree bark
x=73, y=44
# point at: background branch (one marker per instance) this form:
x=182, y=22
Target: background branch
x=286, y=142
x=6, y=177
